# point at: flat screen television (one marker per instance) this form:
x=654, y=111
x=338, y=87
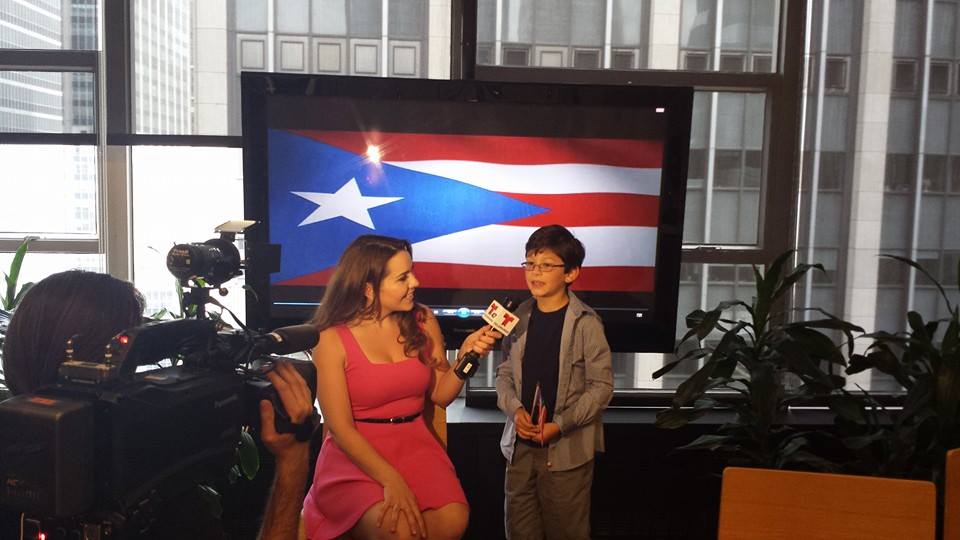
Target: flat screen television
x=466, y=171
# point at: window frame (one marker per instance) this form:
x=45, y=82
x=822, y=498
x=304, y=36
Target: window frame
x=115, y=133
x=781, y=164
x=61, y=61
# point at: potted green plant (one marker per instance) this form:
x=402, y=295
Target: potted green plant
x=759, y=366
x=910, y=441
x=12, y=294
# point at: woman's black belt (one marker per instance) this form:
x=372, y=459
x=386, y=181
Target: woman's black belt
x=394, y=420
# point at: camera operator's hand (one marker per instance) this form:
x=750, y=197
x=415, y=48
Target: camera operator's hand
x=282, y=517
x=297, y=402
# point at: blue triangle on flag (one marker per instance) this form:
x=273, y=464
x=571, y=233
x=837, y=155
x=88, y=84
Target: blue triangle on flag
x=430, y=205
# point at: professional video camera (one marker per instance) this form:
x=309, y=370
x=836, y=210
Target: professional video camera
x=95, y=454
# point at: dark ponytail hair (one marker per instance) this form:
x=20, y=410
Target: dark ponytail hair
x=91, y=305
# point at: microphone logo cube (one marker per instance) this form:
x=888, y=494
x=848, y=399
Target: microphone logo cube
x=499, y=318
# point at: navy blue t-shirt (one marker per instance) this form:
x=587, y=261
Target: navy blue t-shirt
x=541, y=360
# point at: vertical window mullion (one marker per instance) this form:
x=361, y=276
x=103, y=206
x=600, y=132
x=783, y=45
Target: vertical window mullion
x=921, y=149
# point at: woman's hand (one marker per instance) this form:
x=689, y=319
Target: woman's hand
x=398, y=499
x=480, y=342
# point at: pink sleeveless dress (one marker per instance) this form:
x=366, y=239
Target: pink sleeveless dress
x=341, y=492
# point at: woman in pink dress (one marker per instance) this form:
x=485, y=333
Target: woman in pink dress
x=380, y=472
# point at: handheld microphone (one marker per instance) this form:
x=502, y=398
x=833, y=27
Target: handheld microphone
x=289, y=339
x=499, y=317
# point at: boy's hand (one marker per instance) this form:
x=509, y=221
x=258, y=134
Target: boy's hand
x=525, y=426
x=550, y=433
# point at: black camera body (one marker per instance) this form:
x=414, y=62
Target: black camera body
x=106, y=442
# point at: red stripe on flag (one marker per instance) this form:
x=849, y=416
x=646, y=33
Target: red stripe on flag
x=590, y=209
x=508, y=150
x=467, y=276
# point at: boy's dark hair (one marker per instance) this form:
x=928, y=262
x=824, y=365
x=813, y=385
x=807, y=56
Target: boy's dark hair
x=559, y=240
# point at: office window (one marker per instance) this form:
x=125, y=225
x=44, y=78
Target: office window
x=835, y=75
x=904, y=76
x=696, y=61
x=731, y=62
x=586, y=59
x=623, y=60
x=763, y=63
x=940, y=78
x=165, y=194
x=934, y=173
x=188, y=55
x=49, y=25
x=37, y=266
x=407, y=19
x=49, y=191
x=329, y=17
x=832, y=170
x=746, y=28
x=293, y=16
x=516, y=57
x=47, y=102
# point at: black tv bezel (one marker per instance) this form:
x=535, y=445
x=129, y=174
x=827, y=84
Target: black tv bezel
x=656, y=334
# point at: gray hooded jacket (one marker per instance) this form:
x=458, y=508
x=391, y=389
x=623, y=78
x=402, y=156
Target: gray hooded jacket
x=584, y=385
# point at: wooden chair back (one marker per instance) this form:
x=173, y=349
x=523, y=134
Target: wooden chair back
x=951, y=496
x=774, y=504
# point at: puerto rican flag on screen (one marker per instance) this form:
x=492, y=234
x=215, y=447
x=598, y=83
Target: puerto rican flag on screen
x=467, y=203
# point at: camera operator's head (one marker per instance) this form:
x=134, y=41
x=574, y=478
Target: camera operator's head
x=91, y=305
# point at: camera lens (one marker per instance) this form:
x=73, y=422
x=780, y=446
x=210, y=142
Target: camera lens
x=216, y=261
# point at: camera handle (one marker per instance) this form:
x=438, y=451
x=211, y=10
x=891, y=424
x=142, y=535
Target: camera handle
x=198, y=297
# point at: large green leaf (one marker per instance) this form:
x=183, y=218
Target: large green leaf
x=695, y=354
x=673, y=418
x=23, y=291
x=212, y=499
x=926, y=274
x=816, y=344
x=703, y=322
x=692, y=388
x=708, y=442
x=951, y=337
x=794, y=276
x=248, y=455
x=848, y=407
x=9, y=299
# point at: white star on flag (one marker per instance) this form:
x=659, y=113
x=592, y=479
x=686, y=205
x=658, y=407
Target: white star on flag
x=347, y=202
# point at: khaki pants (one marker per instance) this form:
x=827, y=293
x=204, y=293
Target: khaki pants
x=543, y=504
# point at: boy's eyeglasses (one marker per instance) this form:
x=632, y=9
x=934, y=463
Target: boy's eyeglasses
x=543, y=267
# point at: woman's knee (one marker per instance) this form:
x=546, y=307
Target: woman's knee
x=367, y=528
x=447, y=522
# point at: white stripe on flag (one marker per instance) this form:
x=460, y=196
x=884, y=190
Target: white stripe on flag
x=502, y=245
x=546, y=179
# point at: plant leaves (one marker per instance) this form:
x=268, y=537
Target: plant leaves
x=692, y=388
x=708, y=442
x=703, y=322
x=23, y=291
x=14, y=275
x=248, y=455
x=674, y=418
x=923, y=271
x=848, y=407
x=794, y=276
x=212, y=498
x=668, y=367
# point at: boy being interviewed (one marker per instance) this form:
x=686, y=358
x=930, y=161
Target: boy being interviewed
x=553, y=384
